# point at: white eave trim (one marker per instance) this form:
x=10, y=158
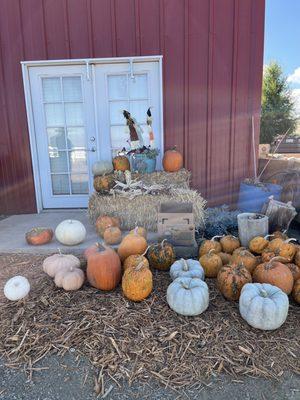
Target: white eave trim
x=82, y=61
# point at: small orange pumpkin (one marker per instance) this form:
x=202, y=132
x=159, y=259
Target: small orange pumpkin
x=39, y=236
x=103, y=183
x=103, y=222
x=295, y=270
x=134, y=260
x=245, y=258
x=121, y=163
x=225, y=257
x=258, y=244
x=296, y=291
x=211, y=263
x=161, y=255
x=172, y=160
x=211, y=244
x=112, y=235
x=137, y=282
x=279, y=235
x=231, y=279
x=133, y=243
x=229, y=243
x=275, y=244
x=275, y=273
x=239, y=249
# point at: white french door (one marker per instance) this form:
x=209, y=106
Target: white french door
x=78, y=119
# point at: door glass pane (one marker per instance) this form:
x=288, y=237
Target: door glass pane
x=54, y=114
x=119, y=136
x=60, y=184
x=116, y=111
x=56, y=138
x=78, y=161
x=138, y=110
x=138, y=87
x=74, y=113
x=72, y=88
x=51, y=89
x=117, y=86
x=79, y=184
x=76, y=137
x=58, y=161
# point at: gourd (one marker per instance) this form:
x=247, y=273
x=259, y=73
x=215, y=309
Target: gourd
x=104, y=268
x=188, y=296
x=39, y=236
x=225, y=257
x=186, y=268
x=296, y=291
x=134, y=260
x=137, y=282
x=246, y=258
x=103, y=222
x=69, y=278
x=140, y=230
x=231, y=279
x=211, y=244
x=258, y=244
x=295, y=270
x=70, y=232
x=274, y=273
x=229, y=243
x=103, y=183
x=263, y=306
x=161, y=255
x=121, y=163
x=211, y=263
x=172, y=160
x=112, y=235
x=16, y=288
x=102, y=167
x=131, y=244
x=57, y=262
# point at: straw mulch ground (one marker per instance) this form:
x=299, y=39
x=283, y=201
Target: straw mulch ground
x=135, y=342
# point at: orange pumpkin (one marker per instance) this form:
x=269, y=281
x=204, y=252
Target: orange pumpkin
x=103, y=183
x=297, y=257
x=268, y=254
x=275, y=273
x=225, y=257
x=279, y=235
x=132, y=244
x=296, y=291
x=258, y=244
x=161, y=255
x=104, y=268
x=121, y=163
x=239, y=249
x=283, y=248
x=103, y=222
x=275, y=244
x=295, y=270
x=134, y=260
x=90, y=250
x=112, y=235
x=229, y=243
x=245, y=258
x=231, y=279
x=137, y=282
x=39, y=236
x=140, y=230
x=211, y=263
x=211, y=244
x=172, y=160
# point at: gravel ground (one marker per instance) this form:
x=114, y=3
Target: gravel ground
x=67, y=379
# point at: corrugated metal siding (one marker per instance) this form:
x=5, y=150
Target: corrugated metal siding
x=212, y=69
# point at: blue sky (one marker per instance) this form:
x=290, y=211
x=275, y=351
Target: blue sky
x=282, y=39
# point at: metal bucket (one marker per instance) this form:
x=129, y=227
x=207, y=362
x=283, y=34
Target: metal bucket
x=249, y=227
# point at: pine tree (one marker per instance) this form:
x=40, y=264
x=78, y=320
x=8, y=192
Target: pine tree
x=278, y=108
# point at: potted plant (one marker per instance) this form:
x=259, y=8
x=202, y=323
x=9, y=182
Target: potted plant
x=143, y=160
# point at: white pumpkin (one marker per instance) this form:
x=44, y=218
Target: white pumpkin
x=69, y=278
x=186, y=268
x=188, y=296
x=102, y=167
x=58, y=262
x=263, y=306
x=16, y=288
x=70, y=232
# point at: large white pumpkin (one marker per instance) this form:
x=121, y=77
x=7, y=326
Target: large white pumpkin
x=70, y=232
x=102, y=167
x=263, y=306
x=16, y=288
x=186, y=268
x=58, y=262
x=188, y=296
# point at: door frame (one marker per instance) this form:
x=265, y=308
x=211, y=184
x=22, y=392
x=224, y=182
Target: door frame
x=26, y=65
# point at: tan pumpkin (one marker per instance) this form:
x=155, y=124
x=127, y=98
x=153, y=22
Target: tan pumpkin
x=275, y=273
x=225, y=257
x=140, y=230
x=69, y=279
x=229, y=243
x=112, y=235
x=103, y=183
x=161, y=255
x=245, y=258
x=295, y=270
x=104, y=221
x=231, y=279
x=57, y=262
x=121, y=163
x=134, y=260
x=133, y=243
x=212, y=244
x=137, y=282
x=258, y=244
x=172, y=160
x=211, y=263
x=296, y=291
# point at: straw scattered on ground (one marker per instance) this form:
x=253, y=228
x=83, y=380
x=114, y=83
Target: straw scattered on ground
x=137, y=341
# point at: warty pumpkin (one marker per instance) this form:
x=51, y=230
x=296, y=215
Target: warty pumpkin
x=297, y=257
x=121, y=163
x=134, y=260
x=211, y=263
x=112, y=235
x=172, y=160
x=231, y=279
x=239, y=249
x=280, y=235
x=103, y=183
x=104, y=221
x=225, y=257
x=296, y=291
x=274, y=273
x=161, y=255
x=38, y=236
x=295, y=270
x=137, y=282
x=246, y=258
x=133, y=243
x=229, y=243
x=283, y=248
x=258, y=244
x=212, y=244
x=104, y=268
x=69, y=278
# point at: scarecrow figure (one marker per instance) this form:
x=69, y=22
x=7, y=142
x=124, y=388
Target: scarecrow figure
x=135, y=132
x=150, y=130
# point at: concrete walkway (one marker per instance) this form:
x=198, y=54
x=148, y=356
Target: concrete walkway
x=13, y=229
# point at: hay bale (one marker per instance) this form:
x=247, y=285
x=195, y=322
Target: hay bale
x=142, y=210
x=180, y=179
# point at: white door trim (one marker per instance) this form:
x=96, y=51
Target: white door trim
x=29, y=108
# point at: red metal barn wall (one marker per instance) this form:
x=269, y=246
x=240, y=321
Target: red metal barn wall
x=212, y=67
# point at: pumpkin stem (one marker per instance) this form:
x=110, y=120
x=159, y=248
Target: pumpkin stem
x=185, y=265
x=163, y=242
x=59, y=251
x=211, y=251
x=263, y=293
x=267, y=236
x=217, y=236
x=139, y=266
x=145, y=252
x=289, y=240
x=136, y=229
